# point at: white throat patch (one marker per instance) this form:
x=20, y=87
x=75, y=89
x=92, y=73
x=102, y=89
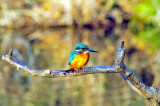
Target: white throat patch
x=86, y=51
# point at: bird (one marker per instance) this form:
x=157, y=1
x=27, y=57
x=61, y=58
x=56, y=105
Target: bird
x=80, y=56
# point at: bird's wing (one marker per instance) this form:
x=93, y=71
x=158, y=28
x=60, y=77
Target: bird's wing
x=72, y=55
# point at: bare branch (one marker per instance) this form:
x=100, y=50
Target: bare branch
x=131, y=85
x=119, y=65
x=150, y=93
x=58, y=73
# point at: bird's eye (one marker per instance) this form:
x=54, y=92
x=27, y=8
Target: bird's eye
x=84, y=49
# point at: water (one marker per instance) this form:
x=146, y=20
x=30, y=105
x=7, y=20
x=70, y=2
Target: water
x=50, y=49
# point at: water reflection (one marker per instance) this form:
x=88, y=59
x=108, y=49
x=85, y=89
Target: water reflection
x=50, y=49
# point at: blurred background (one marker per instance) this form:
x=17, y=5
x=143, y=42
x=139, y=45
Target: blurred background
x=43, y=32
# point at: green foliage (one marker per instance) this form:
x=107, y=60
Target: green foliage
x=151, y=35
x=145, y=9
x=144, y=12
x=144, y=25
x=158, y=2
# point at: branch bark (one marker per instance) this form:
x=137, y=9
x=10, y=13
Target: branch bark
x=152, y=94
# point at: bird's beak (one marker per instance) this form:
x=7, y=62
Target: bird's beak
x=91, y=50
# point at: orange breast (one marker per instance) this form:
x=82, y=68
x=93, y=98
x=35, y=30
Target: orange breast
x=80, y=60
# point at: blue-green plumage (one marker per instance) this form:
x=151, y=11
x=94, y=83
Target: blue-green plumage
x=80, y=46
x=72, y=56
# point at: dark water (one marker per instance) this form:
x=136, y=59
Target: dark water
x=50, y=49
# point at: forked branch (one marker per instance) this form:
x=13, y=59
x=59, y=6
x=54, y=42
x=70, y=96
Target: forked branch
x=150, y=93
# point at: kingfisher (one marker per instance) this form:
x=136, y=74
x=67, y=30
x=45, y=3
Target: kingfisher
x=80, y=56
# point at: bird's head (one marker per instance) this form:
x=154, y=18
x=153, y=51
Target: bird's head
x=81, y=47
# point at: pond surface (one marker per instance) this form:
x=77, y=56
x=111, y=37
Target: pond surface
x=50, y=49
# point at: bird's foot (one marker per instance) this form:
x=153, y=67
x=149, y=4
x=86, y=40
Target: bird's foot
x=76, y=69
x=82, y=68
